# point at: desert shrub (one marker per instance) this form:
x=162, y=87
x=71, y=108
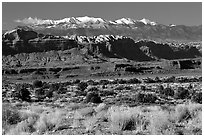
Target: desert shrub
x=93, y=97
x=161, y=123
x=24, y=127
x=21, y=93
x=10, y=115
x=145, y=98
x=54, y=87
x=45, y=85
x=91, y=122
x=120, y=87
x=37, y=84
x=49, y=93
x=160, y=88
x=104, y=82
x=106, y=93
x=93, y=89
x=197, y=97
x=82, y=114
x=170, y=79
x=182, y=113
x=101, y=107
x=194, y=109
x=91, y=82
x=200, y=79
x=157, y=79
x=121, y=81
x=133, y=81
x=190, y=87
x=181, y=93
x=149, y=80
x=50, y=121
x=77, y=81
x=61, y=90
x=82, y=86
x=40, y=94
x=167, y=92
x=125, y=118
x=96, y=99
x=194, y=126
x=142, y=87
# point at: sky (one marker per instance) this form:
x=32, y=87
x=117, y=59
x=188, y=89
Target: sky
x=185, y=13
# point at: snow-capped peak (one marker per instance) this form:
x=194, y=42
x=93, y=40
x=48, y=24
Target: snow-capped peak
x=82, y=21
x=89, y=19
x=172, y=25
x=125, y=20
x=146, y=21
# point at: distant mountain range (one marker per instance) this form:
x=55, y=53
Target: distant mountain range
x=137, y=29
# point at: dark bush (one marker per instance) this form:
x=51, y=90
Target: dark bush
x=200, y=79
x=40, y=94
x=167, y=92
x=160, y=88
x=10, y=115
x=54, y=87
x=170, y=79
x=22, y=93
x=93, y=97
x=49, y=93
x=104, y=82
x=77, y=81
x=149, y=80
x=190, y=87
x=181, y=93
x=133, y=81
x=37, y=84
x=106, y=93
x=143, y=88
x=145, y=98
x=45, y=85
x=61, y=90
x=157, y=79
x=197, y=97
x=82, y=86
x=91, y=82
x=96, y=99
x=121, y=81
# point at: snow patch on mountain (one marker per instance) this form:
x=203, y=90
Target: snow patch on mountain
x=172, y=25
x=147, y=21
x=82, y=20
x=125, y=21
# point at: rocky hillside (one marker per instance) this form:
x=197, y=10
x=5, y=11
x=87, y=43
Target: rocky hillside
x=20, y=42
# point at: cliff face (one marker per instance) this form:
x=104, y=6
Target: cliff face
x=29, y=43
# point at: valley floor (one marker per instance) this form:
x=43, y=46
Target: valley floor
x=147, y=105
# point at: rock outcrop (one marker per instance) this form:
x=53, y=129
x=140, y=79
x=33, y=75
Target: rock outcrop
x=19, y=43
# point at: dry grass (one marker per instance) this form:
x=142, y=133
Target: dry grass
x=92, y=122
x=160, y=123
x=155, y=120
x=32, y=122
x=125, y=118
x=82, y=114
x=36, y=109
x=50, y=121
